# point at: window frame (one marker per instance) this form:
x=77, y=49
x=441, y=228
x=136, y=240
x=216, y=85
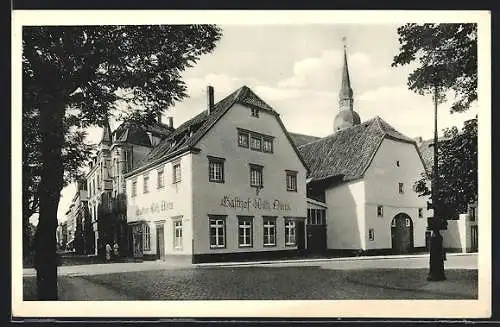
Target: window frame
x=408, y=222
x=269, y=227
x=160, y=181
x=249, y=228
x=292, y=174
x=254, y=112
x=245, y=134
x=420, y=213
x=288, y=229
x=258, y=138
x=270, y=140
x=371, y=234
x=260, y=169
x=213, y=161
x=145, y=183
x=224, y=231
x=176, y=178
x=380, y=210
x=133, y=188
x=401, y=188
x=178, y=245
x=146, y=237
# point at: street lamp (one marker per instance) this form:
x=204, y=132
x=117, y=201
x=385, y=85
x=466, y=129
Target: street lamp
x=436, y=257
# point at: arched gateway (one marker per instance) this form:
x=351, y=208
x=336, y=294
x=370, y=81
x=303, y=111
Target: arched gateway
x=402, y=233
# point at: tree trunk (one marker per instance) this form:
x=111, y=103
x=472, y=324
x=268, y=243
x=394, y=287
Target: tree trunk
x=52, y=138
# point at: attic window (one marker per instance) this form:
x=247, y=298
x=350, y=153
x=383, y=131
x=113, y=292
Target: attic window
x=397, y=163
x=254, y=112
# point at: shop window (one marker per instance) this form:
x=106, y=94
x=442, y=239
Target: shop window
x=269, y=231
x=290, y=239
x=217, y=231
x=291, y=181
x=245, y=231
x=216, y=169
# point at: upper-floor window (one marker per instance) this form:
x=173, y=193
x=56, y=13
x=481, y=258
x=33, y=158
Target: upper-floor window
x=371, y=234
x=291, y=181
x=380, y=211
x=256, y=175
x=397, y=163
x=254, y=112
x=243, y=139
x=420, y=213
x=134, y=188
x=255, y=143
x=145, y=183
x=401, y=188
x=160, y=180
x=216, y=169
x=176, y=172
x=267, y=145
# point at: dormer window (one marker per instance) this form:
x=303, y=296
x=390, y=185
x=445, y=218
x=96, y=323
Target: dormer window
x=254, y=112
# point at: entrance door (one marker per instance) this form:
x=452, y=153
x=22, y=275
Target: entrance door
x=301, y=239
x=402, y=234
x=160, y=242
x=316, y=238
x=473, y=235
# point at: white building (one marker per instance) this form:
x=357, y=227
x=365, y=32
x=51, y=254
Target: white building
x=228, y=183
x=360, y=185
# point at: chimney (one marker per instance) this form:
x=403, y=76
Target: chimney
x=210, y=99
x=171, y=122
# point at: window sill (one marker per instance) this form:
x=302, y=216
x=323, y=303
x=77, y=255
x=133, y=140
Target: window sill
x=257, y=186
x=216, y=181
x=217, y=246
x=176, y=182
x=291, y=190
x=269, y=245
x=245, y=246
x=291, y=245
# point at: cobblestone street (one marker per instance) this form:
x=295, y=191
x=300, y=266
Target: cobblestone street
x=279, y=281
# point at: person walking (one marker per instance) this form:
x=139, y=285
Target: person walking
x=115, y=250
x=108, y=252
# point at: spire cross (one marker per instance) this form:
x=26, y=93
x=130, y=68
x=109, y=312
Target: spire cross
x=344, y=41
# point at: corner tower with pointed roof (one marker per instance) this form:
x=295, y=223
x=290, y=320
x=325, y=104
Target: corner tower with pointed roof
x=346, y=117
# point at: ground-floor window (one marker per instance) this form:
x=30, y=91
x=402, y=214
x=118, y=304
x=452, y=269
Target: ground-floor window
x=245, y=231
x=290, y=239
x=178, y=234
x=217, y=231
x=269, y=231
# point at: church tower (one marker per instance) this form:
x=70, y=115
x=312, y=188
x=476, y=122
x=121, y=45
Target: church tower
x=346, y=117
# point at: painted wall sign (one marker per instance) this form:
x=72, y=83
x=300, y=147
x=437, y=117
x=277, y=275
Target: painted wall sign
x=254, y=203
x=154, y=208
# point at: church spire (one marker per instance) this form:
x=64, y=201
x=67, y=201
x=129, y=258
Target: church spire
x=345, y=88
x=346, y=117
x=106, y=134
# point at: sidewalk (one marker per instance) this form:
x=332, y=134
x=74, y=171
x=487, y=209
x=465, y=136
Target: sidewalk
x=454, y=261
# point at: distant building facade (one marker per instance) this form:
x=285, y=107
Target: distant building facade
x=118, y=152
x=227, y=184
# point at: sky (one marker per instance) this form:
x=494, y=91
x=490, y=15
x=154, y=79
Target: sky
x=296, y=69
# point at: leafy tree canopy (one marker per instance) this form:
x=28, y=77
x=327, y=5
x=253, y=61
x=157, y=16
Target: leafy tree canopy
x=457, y=169
x=446, y=56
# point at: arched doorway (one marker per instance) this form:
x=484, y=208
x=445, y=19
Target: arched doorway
x=402, y=233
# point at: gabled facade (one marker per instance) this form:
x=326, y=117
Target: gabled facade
x=228, y=183
x=360, y=185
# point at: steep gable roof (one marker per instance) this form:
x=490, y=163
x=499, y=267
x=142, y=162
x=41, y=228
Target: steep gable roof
x=348, y=153
x=301, y=139
x=185, y=137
